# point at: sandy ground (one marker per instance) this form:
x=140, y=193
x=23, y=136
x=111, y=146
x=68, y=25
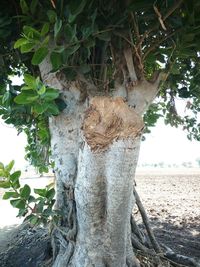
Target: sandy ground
x=172, y=201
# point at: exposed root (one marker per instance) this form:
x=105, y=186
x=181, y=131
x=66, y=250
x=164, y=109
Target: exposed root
x=147, y=260
x=64, y=233
x=146, y=223
x=151, y=255
x=180, y=259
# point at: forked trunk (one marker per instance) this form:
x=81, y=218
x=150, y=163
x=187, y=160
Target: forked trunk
x=95, y=144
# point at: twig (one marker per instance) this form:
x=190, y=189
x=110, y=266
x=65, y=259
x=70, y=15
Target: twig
x=153, y=46
x=170, y=11
x=159, y=17
x=129, y=61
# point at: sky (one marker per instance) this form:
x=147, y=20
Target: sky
x=169, y=145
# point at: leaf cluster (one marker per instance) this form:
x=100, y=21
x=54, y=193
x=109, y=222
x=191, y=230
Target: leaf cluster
x=88, y=38
x=37, y=208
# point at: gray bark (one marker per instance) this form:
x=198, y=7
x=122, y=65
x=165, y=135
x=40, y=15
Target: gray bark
x=94, y=180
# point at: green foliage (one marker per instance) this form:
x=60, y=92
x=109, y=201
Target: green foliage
x=41, y=98
x=28, y=108
x=88, y=38
x=37, y=208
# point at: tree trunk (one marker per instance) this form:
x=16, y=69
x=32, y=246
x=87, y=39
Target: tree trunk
x=95, y=145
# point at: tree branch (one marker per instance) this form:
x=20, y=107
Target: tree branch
x=170, y=11
x=129, y=61
x=155, y=44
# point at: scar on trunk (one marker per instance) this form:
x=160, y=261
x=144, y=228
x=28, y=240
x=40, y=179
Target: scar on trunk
x=108, y=119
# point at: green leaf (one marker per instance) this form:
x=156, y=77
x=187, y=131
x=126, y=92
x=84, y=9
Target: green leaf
x=52, y=16
x=45, y=41
x=43, y=134
x=71, y=50
x=22, y=212
x=33, y=6
x=18, y=203
x=14, y=179
x=39, y=206
x=175, y=69
x=8, y=195
x=43, y=169
x=30, y=81
x=34, y=220
x=51, y=94
x=70, y=32
x=39, y=55
x=25, y=191
x=24, y=6
x=53, y=109
x=40, y=108
x=26, y=48
x=1, y=166
x=6, y=97
x=45, y=29
x=26, y=98
x=31, y=199
x=76, y=6
x=50, y=194
x=42, y=90
x=4, y=184
x=32, y=33
x=57, y=27
x=15, y=176
x=40, y=192
x=9, y=167
x=20, y=42
x=56, y=60
x=59, y=49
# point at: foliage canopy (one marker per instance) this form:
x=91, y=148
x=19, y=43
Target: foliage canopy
x=88, y=38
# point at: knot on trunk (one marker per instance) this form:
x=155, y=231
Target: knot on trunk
x=109, y=119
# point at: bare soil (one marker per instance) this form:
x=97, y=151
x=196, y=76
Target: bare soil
x=172, y=202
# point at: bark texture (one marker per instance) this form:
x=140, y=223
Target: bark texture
x=95, y=144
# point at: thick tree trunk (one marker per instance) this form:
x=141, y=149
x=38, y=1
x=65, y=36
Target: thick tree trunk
x=104, y=203
x=95, y=175
x=95, y=144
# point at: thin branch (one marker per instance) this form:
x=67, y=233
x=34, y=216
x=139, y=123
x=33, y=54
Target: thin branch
x=156, y=44
x=138, y=50
x=129, y=61
x=136, y=30
x=170, y=11
x=159, y=17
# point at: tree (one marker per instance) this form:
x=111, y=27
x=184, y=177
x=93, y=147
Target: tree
x=92, y=70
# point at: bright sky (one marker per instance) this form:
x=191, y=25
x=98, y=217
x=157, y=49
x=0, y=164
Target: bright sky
x=11, y=145
x=169, y=145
